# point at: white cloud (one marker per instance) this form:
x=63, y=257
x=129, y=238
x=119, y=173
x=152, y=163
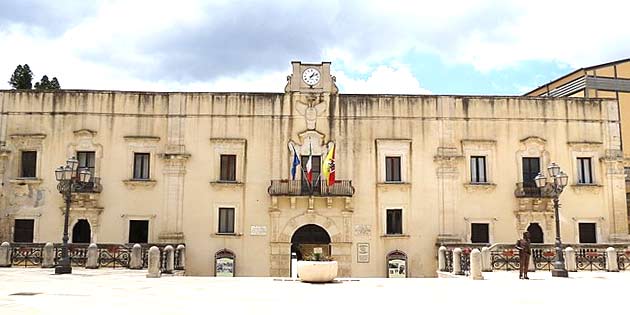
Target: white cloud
x=383, y=80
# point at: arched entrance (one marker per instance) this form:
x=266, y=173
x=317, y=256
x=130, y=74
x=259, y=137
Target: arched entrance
x=535, y=233
x=310, y=239
x=81, y=232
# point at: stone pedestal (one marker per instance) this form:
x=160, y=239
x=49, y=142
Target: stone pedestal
x=569, y=259
x=92, y=257
x=486, y=259
x=48, y=256
x=442, y=258
x=135, y=262
x=475, y=265
x=181, y=254
x=154, y=262
x=611, y=260
x=170, y=259
x=457, y=261
x=5, y=255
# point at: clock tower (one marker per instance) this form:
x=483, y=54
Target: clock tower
x=311, y=78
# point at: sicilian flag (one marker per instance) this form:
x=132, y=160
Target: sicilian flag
x=309, y=166
x=296, y=162
x=329, y=166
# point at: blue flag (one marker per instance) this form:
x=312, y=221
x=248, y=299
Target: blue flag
x=296, y=162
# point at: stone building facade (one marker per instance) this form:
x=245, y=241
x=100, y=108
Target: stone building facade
x=213, y=171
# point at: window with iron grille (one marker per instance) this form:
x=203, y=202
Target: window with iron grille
x=228, y=167
x=585, y=175
x=394, y=221
x=28, y=166
x=23, y=230
x=478, y=169
x=479, y=233
x=392, y=169
x=87, y=160
x=226, y=220
x=141, y=165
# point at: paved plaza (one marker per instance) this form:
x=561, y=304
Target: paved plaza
x=109, y=291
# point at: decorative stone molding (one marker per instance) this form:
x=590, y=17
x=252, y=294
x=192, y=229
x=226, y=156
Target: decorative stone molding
x=25, y=142
x=26, y=181
x=531, y=147
x=587, y=188
x=480, y=187
x=394, y=148
x=232, y=146
x=136, y=183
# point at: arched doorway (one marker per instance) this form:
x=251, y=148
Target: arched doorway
x=535, y=233
x=310, y=239
x=81, y=232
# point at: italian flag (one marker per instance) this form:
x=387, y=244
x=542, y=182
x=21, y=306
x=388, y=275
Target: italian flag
x=309, y=166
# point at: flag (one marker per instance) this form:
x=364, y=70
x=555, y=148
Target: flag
x=309, y=165
x=329, y=166
x=296, y=162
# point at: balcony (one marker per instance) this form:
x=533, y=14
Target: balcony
x=285, y=187
x=529, y=190
x=93, y=186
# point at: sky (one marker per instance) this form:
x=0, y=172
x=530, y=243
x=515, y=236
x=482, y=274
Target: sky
x=478, y=47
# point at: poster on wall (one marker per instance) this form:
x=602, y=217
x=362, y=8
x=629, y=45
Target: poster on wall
x=397, y=268
x=363, y=252
x=225, y=267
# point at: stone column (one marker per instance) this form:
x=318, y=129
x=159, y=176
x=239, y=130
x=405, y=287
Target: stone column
x=5, y=255
x=48, y=256
x=457, y=261
x=569, y=259
x=92, y=257
x=486, y=259
x=442, y=258
x=135, y=261
x=611, y=260
x=154, y=262
x=170, y=259
x=475, y=265
x=181, y=254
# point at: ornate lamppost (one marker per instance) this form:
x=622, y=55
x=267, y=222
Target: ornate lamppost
x=70, y=179
x=558, y=181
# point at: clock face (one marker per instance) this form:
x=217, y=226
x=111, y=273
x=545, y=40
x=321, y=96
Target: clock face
x=311, y=76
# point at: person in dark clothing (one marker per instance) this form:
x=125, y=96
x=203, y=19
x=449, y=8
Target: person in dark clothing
x=524, y=251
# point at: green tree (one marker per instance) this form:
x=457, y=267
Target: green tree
x=46, y=84
x=22, y=77
x=54, y=84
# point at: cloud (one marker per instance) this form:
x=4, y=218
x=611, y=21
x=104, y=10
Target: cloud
x=383, y=80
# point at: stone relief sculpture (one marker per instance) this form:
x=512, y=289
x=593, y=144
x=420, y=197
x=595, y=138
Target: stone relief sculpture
x=311, y=111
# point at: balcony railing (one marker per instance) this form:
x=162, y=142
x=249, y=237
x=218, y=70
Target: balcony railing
x=285, y=187
x=93, y=186
x=529, y=190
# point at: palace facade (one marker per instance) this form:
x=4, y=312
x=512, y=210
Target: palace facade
x=214, y=171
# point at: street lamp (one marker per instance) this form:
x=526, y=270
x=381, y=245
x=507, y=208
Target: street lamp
x=559, y=180
x=70, y=178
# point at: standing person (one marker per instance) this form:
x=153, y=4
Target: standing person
x=524, y=251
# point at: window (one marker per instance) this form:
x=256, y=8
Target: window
x=226, y=220
x=141, y=165
x=392, y=169
x=29, y=164
x=394, y=221
x=584, y=171
x=587, y=233
x=23, y=230
x=478, y=169
x=87, y=160
x=228, y=167
x=138, y=231
x=531, y=168
x=479, y=233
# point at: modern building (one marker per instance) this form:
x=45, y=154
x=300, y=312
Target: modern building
x=607, y=81
x=214, y=171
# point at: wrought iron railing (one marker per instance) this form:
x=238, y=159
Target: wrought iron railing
x=529, y=190
x=623, y=259
x=285, y=187
x=109, y=255
x=93, y=186
x=590, y=259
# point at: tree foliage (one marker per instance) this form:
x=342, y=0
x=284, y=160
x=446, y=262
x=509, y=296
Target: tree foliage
x=46, y=84
x=22, y=77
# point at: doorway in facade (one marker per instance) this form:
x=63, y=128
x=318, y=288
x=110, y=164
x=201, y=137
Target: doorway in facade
x=81, y=232
x=535, y=233
x=308, y=240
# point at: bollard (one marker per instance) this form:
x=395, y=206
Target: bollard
x=92, y=257
x=181, y=254
x=48, y=256
x=442, y=258
x=531, y=267
x=611, y=260
x=170, y=259
x=569, y=259
x=486, y=259
x=154, y=262
x=475, y=265
x=457, y=261
x=5, y=255
x=135, y=262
